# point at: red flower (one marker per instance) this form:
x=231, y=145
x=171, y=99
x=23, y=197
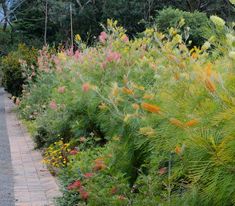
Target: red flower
x=75, y=185
x=88, y=175
x=86, y=87
x=83, y=193
x=114, y=190
x=73, y=152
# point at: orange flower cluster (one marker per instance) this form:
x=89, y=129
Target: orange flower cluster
x=210, y=85
x=99, y=164
x=150, y=108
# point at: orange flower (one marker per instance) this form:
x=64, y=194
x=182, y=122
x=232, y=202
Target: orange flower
x=208, y=69
x=176, y=122
x=127, y=91
x=135, y=106
x=148, y=96
x=150, y=108
x=177, y=149
x=210, y=86
x=192, y=123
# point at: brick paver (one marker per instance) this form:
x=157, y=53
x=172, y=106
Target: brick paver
x=33, y=184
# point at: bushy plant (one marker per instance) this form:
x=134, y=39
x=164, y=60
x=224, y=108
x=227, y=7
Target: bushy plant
x=195, y=27
x=162, y=115
x=17, y=68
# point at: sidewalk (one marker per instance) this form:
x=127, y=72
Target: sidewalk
x=33, y=184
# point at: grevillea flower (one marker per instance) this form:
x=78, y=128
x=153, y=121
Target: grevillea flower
x=127, y=91
x=99, y=164
x=88, y=175
x=75, y=185
x=192, y=123
x=162, y=171
x=61, y=90
x=210, y=85
x=83, y=193
x=114, y=190
x=102, y=37
x=125, y=38
x=73, y=152
x=53, y=105
x=77, y=55
x=135, y=106
x=86, y=87
x=176, y=122
x=217, y=21
x=113, y=56
x=177, y=149
x=150, y=108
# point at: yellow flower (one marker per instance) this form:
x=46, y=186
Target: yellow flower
x=147, y=131
x=217, y=21
x=78, y=38
x=62, y=56
x=232, y=2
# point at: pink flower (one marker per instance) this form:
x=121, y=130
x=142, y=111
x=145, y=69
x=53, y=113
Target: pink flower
x=88, y=175
x=162, y=171
x=53, y=105
x=70, y=52
x=77, y=55
x=113, y=56
x=103, y=65
x=86, y=87
x=61, y=90
x=103, y=36
x=125, y=38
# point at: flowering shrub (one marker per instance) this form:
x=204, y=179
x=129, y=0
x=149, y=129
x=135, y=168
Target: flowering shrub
x=158, y=115
x=13, y=75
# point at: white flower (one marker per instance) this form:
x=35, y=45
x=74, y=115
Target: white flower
x=217, y=21
x=232, y=55
x=206, y=45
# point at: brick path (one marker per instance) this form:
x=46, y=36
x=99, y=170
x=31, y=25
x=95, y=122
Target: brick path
x=33, y=184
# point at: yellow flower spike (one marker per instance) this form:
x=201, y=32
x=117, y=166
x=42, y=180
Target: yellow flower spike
x=148, y=96
x=176, y=122
x=127, y=91
x=115, y=90
x=62, y=56
x=78, y=38
x=147, y=131
x=219, y=22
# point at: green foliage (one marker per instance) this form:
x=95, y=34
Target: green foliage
x=196, y=27
x=152, y=121
x=14, y=75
